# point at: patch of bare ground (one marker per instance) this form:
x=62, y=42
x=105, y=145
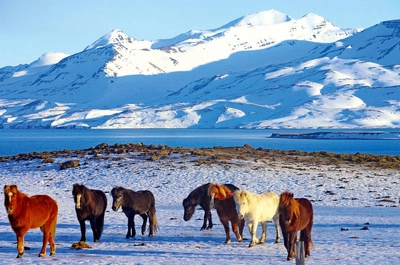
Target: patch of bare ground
x=291, y=158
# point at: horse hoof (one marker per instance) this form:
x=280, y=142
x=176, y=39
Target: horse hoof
x=42, y=255
x=251, y=245
x=52, y=254
x=19, y=255
x=290, y=258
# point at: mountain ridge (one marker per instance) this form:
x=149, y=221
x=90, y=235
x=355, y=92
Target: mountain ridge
x=263, y=70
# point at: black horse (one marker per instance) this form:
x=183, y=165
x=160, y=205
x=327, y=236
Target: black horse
x=136, y=202
x=90, y=205
x=200, y=196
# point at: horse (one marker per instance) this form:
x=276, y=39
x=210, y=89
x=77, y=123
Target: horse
x=295, y=214
x=24, y=213
x=255, y=208
x=222, y=201
x=199, y=196
x=90, y=205
x=136, y=202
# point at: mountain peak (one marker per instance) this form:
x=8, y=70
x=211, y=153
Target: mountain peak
x=116, y=36
x=263, y=18
x=49, y=59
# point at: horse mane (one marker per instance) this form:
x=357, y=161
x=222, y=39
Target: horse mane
x=287, y=199
x=116, y=188
x=240, y=195
x=79, y=188
x=220, y=192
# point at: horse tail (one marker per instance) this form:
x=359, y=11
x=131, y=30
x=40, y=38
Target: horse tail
x=100, y=219
x=54, y=224
x=100, y=223
x=155, y=221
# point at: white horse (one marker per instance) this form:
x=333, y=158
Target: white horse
x=255, y=208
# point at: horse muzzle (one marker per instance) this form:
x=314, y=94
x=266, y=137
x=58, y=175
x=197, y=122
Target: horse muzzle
x=9, y=210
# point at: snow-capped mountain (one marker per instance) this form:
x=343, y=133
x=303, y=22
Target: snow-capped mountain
x=263, y=70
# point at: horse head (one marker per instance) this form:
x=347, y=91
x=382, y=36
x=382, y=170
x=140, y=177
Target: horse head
x=78, y=191
x=288, y=207
x=241, y=201
x=117, y=194
x=189, y=207
x=10, y=198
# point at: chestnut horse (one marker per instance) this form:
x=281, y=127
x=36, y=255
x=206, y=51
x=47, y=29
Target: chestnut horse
x=222, y=201
x=255, y=208
x=136, y=202
x=296, y=214
x=90, y=205
x=24, y=213
x=198, y=196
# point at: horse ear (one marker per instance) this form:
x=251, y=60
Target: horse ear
x=291, y=195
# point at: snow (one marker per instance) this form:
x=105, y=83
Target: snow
x=346, y=198
x=263, y=70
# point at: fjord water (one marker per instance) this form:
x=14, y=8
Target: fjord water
x=13, y=142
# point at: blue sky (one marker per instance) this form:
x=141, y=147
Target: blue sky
x=30, y=28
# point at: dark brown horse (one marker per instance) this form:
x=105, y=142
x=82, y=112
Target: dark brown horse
x=136, y=202
x=295, y=214
x=90, y=205
x=222, y=201
x=24, y=213
x=198, y=196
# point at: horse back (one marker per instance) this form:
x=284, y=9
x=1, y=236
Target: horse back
x=37, y=210
x=199, y=196
x=306, y=212
x=269, y=202
x=100, y=199
x=140, y=201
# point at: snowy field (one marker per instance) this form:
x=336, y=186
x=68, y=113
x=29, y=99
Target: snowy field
x=347, y=200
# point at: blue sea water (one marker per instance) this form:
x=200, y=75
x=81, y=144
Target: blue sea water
x=13, y=142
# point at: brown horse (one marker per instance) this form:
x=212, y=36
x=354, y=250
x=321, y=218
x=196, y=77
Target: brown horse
x=222, y=201
x=136, y=202
x=295, y=214
x=90, y=205
x=26, y=213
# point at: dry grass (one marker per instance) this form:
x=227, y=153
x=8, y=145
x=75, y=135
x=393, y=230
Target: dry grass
x=219, y=155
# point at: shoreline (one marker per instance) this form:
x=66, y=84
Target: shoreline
x=219, y=154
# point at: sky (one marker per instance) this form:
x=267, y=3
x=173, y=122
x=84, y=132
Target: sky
x=29, y=29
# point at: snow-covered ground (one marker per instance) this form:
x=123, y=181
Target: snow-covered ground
x=346, y=199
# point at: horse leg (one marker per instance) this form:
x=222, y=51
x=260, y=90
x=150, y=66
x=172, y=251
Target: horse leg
x=241, y=227
x=144, y=217
x=264, y=232
x=20, y=242
x=207, y=216
x=305, y=235
x=253, y=230
x=131, y=227
x=46, y=236
x=292, y=239
x=100, y=225
x=226, y=228
x=236, y=230
x=83, y=230
x=277, y=228
x=93, y=225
